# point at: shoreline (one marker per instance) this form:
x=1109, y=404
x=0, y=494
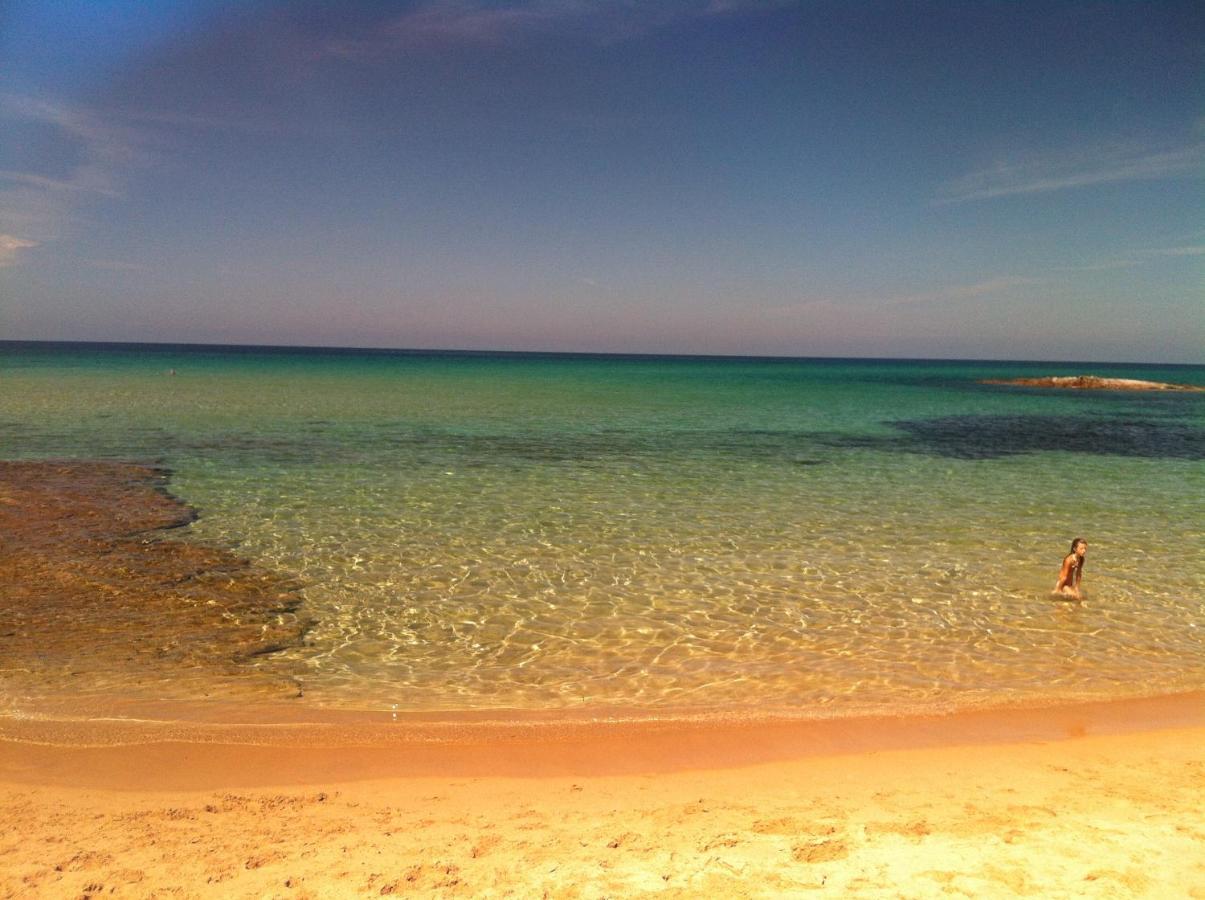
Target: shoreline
x=99, y=584
x=259, y=796
x=96, y=753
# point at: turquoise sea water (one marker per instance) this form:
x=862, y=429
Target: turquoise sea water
x=501, y=531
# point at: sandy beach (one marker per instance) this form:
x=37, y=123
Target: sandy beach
x=243, y=792
x=1063, y=802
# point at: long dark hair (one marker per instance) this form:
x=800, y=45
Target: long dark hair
x=1079, y=560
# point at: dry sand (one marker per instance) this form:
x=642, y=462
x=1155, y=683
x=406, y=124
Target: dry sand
x=1074, y=805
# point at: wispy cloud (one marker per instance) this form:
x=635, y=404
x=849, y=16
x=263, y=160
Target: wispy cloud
x=55, y=184
x=105, y=143
x=35, y=204
x=1040, y=175
x=172, y=119
x=1178, y=251
x=446, y=23
x=970, y=291
x=1138, y=256
x=1102, y=266
x=10, y=245
x=115, y=265
x=729, y=7
x=862, y=303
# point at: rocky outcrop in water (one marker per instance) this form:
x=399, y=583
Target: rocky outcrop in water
x=1093, y=383
x=96, y=598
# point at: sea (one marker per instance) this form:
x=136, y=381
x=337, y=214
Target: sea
x=656, y=535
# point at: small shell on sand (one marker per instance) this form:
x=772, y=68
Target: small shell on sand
x=1094, y=383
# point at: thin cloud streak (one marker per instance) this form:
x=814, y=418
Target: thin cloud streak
x=192, y=121
x=10, y=245
x=971, y=291
x=443, y=24
x=1145, y=256
x=54, y=184
x=105, y=143
x=115, y=265
x=38, y=203
x=1104, y=266
x=1072, y=171
x=1178, y=251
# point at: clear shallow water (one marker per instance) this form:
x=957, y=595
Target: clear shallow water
x=531, y=532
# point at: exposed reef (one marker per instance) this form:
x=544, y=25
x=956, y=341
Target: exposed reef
x=1094, y=383
x=98, y=600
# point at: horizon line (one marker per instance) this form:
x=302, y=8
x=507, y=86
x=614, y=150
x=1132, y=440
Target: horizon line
x=600, y=354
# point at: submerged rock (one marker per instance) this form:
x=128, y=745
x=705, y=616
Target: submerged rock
x=97, y=599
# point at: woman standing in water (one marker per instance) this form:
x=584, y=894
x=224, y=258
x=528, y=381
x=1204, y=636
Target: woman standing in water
x=1072, y=571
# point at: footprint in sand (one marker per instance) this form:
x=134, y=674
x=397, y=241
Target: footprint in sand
x=484, y=846
x=824, y=850
x=789, y=826
x=915, y=830
x=720, y=841
x=626, y=838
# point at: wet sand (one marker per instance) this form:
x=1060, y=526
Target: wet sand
x=626, y=812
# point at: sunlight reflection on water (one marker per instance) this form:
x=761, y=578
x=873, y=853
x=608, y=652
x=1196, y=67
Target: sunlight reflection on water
x=539, y=534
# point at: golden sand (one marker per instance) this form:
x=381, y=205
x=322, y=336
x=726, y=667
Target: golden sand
x=1073, y=805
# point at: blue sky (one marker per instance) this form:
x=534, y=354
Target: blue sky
x=993, y=180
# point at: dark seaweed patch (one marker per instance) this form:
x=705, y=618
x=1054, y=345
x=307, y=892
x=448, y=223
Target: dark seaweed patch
x=1157, y=434
x=587, y=447
x=992, y=437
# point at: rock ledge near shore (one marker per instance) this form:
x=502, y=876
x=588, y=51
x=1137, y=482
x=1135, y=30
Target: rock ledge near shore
x=1094, y=383
x=98, y=600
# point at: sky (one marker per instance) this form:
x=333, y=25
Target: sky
x=997, y=180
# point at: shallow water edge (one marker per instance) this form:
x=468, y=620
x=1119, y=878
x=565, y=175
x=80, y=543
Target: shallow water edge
x=187, y=755
x=114, y=617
